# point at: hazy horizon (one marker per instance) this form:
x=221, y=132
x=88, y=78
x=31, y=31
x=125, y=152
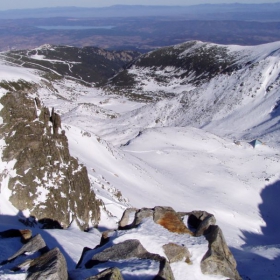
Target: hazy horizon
x=34, y=4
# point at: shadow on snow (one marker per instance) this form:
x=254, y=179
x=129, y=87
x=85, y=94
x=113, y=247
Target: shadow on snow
x=260, y=257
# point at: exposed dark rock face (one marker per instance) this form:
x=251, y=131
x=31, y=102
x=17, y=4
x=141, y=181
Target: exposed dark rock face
x=93, y=65
x=48, y=181
x=218, y=259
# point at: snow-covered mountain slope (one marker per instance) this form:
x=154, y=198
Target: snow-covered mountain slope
x=179, y=150
x=213, y=85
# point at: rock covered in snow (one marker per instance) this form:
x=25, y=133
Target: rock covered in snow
x=47, y=180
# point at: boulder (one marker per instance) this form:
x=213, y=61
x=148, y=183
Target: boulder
x=125, y=222
x=176, y=253
x=165, y=271
x=35, y=244
x=112, y=273
x=200, y=221
x=125, y=250
x=168, y=218
x=142, y=214
x=131, y=249
x=218, y=260
x=52, y=266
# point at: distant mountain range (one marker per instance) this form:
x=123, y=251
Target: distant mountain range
x=236, y=11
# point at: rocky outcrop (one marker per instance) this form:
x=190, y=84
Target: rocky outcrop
x=48, y=182
x=164, y=216
x=131, y=249
x=116, y=248
x=218, y=260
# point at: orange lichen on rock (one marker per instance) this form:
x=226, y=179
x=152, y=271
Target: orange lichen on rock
x=170, y=220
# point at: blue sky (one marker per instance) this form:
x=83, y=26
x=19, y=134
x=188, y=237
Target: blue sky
x=24, y=4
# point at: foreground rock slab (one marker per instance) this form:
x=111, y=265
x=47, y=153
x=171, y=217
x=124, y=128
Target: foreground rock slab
x=52, y=266
x=218, y=260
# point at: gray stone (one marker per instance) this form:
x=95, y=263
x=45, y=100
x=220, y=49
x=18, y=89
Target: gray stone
x=204, y=225
x=218, y=260
x=165, y=271
x=125, y=250
x=176, y=253
x=35, y=244
x=125, y=223
x=52, y=266
x=132, y=249
x=200, y=221
x=108, y=274
x=142, y=214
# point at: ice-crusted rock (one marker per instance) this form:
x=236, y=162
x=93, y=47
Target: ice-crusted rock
x=218, y=260
x=50, y=183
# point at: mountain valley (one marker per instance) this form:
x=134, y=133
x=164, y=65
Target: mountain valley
x=172, y=127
